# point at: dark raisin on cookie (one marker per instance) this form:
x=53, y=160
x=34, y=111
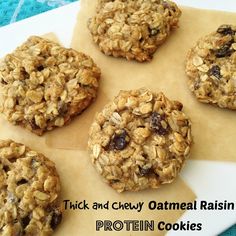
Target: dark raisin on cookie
x=154, y=31
x=215, y=71
x=62, y=108
x=6, y=168
x=22, y=181
x=120, y=140
x=40, y=68
x=224, y=51
x=3, y=81
x=25, y=221
x=25, y=74
x=225, y=30
x=12, y=160
x=33, y=124
x=56, y=219
x=145, y=171
x=145, y=155
x=156, y=124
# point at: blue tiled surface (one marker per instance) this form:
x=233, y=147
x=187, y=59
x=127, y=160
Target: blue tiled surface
x=230, y=232
x=15, y=10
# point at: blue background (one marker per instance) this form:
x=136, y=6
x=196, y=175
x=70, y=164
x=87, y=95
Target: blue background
x=26, y=8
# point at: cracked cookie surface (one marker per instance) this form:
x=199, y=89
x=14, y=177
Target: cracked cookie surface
x=140, y=140
x=133, y=29
x=29, y=190
x=44, y=85
x=211, y=68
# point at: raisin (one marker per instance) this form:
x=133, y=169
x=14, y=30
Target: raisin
x=12, y=160
x=231, y=41
x=25, y=74
x=25, y=221
x=33, y=124
x=62, y=108
x=215, y=71
x=155, y=123
x=119, y=141
x=145, y=155
x=225, y=30
x=6, y=168
x=225, y=50
x=56, y=219
x=3, y=82
x=40, y=68
x=22, y=181
x=145, y=171
x=141, y=126
x=154, y=31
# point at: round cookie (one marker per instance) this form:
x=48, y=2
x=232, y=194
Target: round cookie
x=140, y=140
x=211, y=68
x=133, y=29
x=29, y=190
x=44, y=85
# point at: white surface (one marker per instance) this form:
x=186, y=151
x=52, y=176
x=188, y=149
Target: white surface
x=209, y=180
x=51, y=21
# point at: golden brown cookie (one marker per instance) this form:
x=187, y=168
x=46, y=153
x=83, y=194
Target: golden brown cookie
x=140, y=140
x=133, y=29
x=29, y=190
x=211, y=68
x=43, y=85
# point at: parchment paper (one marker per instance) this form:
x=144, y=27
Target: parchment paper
x=214, y=129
